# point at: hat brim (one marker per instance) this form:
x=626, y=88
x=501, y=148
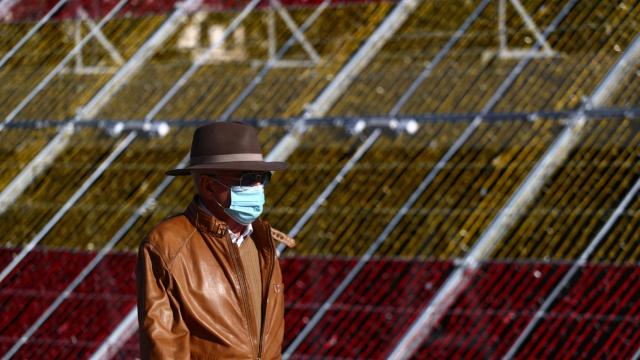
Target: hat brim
x=237, y=165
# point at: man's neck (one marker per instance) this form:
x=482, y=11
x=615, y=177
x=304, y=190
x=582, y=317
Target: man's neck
x=235, y=227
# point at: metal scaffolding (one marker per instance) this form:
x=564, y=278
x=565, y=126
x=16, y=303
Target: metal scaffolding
x=522, y=197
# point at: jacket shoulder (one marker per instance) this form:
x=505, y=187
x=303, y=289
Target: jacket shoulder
x=169, y=236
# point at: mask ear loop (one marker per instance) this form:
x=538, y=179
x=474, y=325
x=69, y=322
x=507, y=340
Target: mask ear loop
x=218, y=181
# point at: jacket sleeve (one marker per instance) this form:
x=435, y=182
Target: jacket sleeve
x=163, y=333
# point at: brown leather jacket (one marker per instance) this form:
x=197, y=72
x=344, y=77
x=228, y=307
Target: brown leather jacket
x=193, y=297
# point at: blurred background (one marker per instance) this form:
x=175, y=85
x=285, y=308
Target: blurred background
x=463, y=178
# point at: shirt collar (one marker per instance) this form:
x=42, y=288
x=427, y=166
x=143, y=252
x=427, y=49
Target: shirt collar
x=238, y=239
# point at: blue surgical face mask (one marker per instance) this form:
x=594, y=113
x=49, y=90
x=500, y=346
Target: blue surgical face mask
x=247, y=203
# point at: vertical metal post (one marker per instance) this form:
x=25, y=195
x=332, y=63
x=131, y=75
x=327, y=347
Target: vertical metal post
x=502, y=24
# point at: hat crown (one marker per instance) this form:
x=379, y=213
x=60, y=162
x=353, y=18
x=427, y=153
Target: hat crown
x=226, y=146
x=225, y=139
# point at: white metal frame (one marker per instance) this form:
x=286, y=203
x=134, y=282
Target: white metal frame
x=271, y=63
x=105, y=347
x=118, y=337
x=343, y=79
x=201, y=60
x=89, y=268
x=78, y=66
x=415, y=195
x=548, y=165
x=47, y=155
x=31, y=32
x=37, y=165
x=362, y=149
x=581, y=262
x=135, y=63
x=44, y=82
x=297, y=34
x=514, y=208
x=504, y=51
x=58, y=143
x=317, y=317
x=193, y=32
x=120, y=147
x=394, y=112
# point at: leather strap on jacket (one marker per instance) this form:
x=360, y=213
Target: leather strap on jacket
x=283, y=238
x=205, y=222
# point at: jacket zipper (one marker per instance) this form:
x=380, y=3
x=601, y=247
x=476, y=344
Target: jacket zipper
x=268, y=288
x=235, y=256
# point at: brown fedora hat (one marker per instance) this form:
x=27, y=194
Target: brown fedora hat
x=226, y=146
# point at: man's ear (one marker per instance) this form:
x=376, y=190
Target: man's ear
x=206, y=186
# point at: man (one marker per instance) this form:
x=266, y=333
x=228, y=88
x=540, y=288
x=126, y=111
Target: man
x=209, y=282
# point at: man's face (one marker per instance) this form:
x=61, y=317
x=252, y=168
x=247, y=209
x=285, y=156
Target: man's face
x=216, y=190
x=215, y=186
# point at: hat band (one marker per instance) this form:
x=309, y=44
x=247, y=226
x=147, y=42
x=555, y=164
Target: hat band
x=198, y=160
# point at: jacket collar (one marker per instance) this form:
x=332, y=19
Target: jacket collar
x=205, y=221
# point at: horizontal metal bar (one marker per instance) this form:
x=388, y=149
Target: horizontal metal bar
x=370, y=121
